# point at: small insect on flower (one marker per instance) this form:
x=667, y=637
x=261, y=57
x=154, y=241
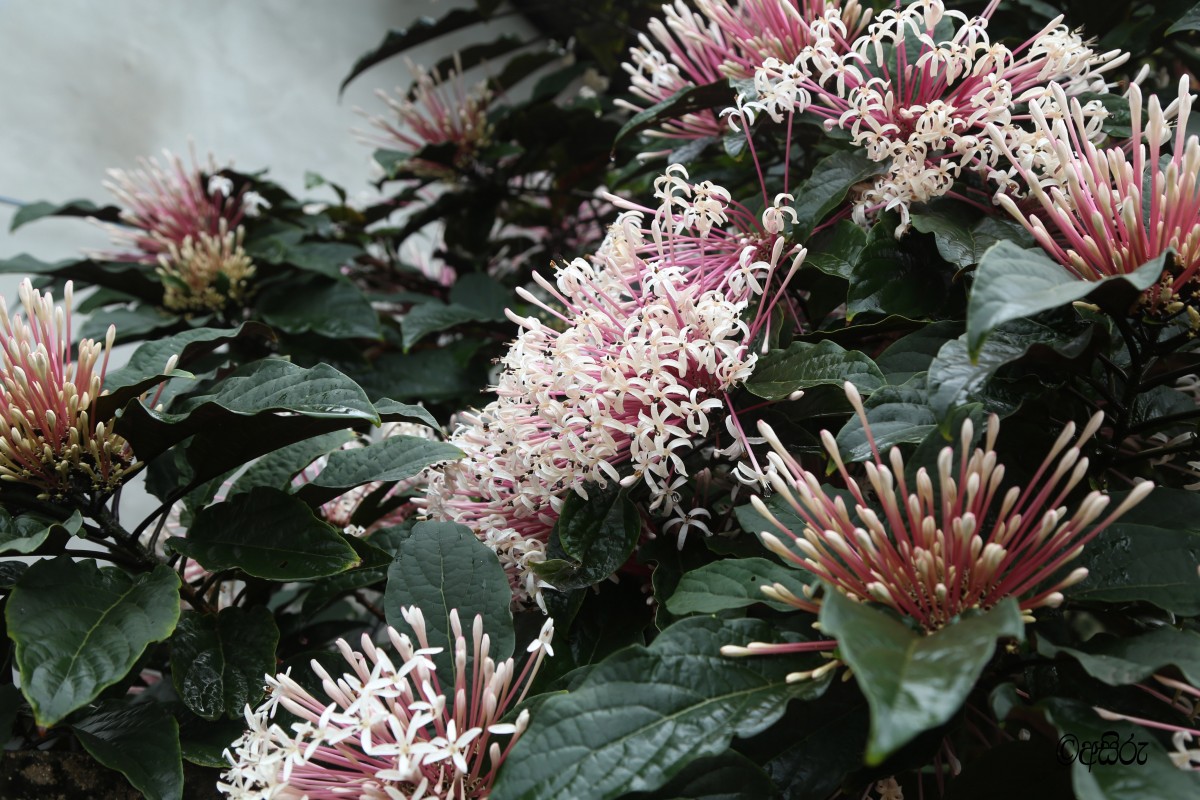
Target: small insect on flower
x=187, y=221
x=51, y=439
x=389, y=730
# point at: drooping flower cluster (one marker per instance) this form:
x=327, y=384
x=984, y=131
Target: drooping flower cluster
x=938, y=549
x=619, y=384
x=1107, y=211
x=188, y=222
x=435, y=111
x=922, y=115
x=50, y=438
x=388, y=730
x=722, y=40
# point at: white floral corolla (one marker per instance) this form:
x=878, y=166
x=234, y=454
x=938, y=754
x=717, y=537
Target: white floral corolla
x=718, y=40
x=388, y=729
x=618, y=377
x=927, y=125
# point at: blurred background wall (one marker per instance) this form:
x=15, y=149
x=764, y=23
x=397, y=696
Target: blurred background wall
x=87, y=85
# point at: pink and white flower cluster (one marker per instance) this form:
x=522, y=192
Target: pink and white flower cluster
x=941, y=545
x=188, y=222
x=618, y=384
x=721, y=40
x=50, y=438
x=1107, y=211
x=434, y=111
x=918, y=92
x=388, y=729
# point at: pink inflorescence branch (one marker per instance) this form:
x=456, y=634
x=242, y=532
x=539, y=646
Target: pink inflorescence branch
x=188, y=222
x=935, y=550
x=1182, y=699
x=389, y=730
x=51, y=439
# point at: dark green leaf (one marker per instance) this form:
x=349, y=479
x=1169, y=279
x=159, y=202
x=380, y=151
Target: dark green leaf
x=72, y=208
x=10, y=704
x=218, y=662
x=803, y=365
x=591, y=538
x=10, y=572
x=1119, y=661
x=375, y=557
x=482, y=293
x=828, y=185
x=733, y=583
x=443, y=566
x=423, y=30
x=955, y=377
x=1011, y=283
x=394, y=411
x=134, y=280
x=912, y=354
x=754, y=523
x=728, y=776
x=594, y=743
x=429, y=375
x=146, y=366
x=962, y=241
x=688, y=100
x=245, y=408
x=26, y=533
x=1151, y=555
x=897, y=415
x=913, y=682
x=395, y=458
x=268, y=534
x=889, y=278
x=337, y=309
x=326, y=258
x=1156, y=779
x=139, y=740
x=277, y=469
x=204, y=743
x=79, y=629
x=427, y=318
x=1188, y=22
x=836, y=251
x=825, y=742
x=132, y=324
